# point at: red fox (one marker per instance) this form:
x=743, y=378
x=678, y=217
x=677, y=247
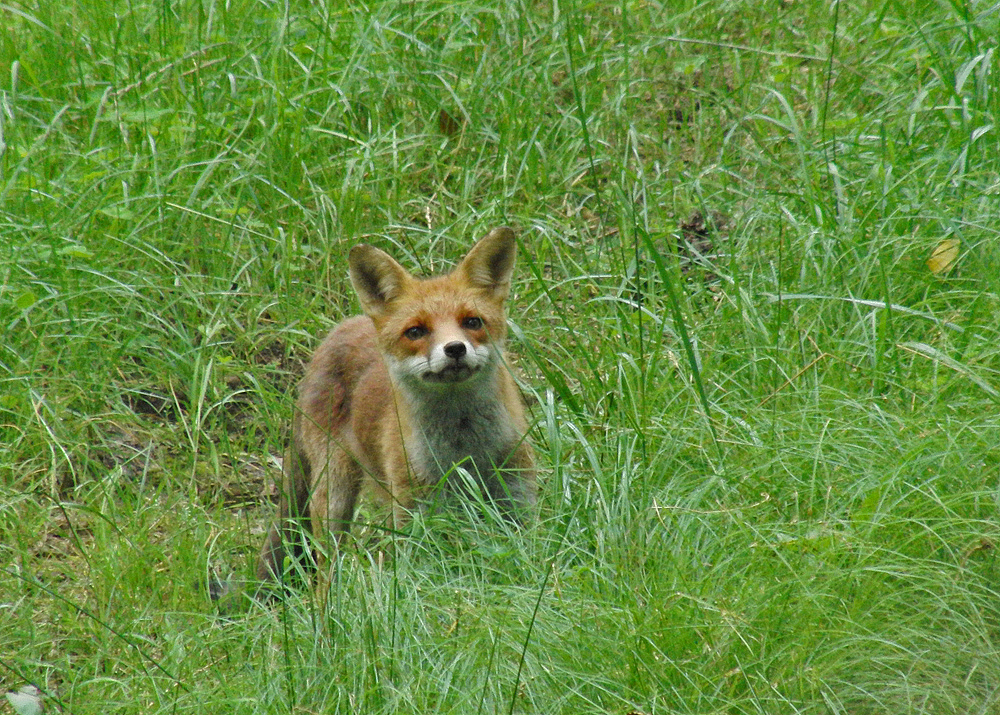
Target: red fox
x=395, y=399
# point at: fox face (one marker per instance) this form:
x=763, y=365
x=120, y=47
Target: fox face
x=442, y=331
x=450, y=347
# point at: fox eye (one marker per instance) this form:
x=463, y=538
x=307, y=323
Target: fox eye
x=472, y=323
x=415, y=333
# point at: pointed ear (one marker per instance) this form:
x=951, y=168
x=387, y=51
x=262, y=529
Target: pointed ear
x=376, y=277
x=490, y=263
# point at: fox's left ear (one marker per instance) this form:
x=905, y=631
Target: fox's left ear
x=490, y=263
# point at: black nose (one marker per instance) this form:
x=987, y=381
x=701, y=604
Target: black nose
x=455, y=350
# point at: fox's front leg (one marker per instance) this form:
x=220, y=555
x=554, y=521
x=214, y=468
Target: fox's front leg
x=520, y=483
x=332, y=505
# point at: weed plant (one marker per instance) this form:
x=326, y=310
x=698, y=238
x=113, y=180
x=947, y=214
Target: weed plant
x=756, y=317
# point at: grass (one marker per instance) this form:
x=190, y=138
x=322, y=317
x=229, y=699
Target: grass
x=768, y=427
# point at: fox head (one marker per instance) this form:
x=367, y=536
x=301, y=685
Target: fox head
x=443, y=330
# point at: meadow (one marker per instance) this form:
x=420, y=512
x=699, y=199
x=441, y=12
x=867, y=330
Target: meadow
x=756, y=319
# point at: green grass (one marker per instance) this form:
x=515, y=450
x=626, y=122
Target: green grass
x=769, y=439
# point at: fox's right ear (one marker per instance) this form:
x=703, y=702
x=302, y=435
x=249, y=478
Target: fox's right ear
x=377, y=278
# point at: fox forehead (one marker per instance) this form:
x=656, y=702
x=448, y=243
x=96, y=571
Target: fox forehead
x=440, y=299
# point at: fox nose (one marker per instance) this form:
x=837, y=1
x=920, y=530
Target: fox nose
x=455, y=350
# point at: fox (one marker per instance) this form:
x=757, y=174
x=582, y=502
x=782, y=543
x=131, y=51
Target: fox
x=395, y=401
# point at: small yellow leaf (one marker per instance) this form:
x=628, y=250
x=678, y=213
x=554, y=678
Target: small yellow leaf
x=943, y=257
